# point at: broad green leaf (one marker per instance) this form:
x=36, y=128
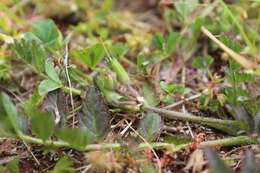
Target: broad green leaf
x=150, y=95
x=118, y=50
x=150, y=126
x=47, y=32
x=64, y=165
x=216, y=164
x=31, y=53
x=96, y=117
x=51, y=72
x=249, y=165
x=33, y=103
x=76, y=137
x=90, y=56
x=9, y=113
x=47, y=86
x=42, y=125
x=184, y=8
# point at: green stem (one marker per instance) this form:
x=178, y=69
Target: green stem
x=232, y=141
x=188, y=117
x=73, y=90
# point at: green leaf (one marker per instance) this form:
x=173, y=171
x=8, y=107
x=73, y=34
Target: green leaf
x=150, y=95
x=216, y=165
x=250, y=164
x=51, y=72
x=159, y=41
x=184, y=8
x=47, y=86
x=90, y=56
x=171, y=42
x=47, y=32
x=42, y=125
x=96, y=117
x=76, y=137
x=150, y=126
x=9, y=113
x=118, y=50
x=202, y=63
x=148, y=168
x=12, y=166
x=64, y=165
x=31, y=53
x=33, y=103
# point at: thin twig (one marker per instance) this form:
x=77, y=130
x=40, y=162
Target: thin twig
x=240, y=59
x=183, y=101
x=66, y=57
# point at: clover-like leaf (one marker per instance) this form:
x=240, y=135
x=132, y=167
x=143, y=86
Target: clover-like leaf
x=90, y=56
x=47, y=32
x=31, y=52
x=95, y=115
x=47, y=86
x=42, y=125
x=51, y=72
x=150, y=126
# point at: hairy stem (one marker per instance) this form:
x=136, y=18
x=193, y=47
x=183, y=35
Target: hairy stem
x=187, y=116
x=232, y=141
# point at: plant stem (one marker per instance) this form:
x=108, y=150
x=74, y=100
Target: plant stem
x=187, y=116
x=232, y=141
x=73, y=90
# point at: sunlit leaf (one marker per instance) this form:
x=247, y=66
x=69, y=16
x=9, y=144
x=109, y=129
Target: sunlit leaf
x=51, y=72
x=31, y=53
x=90, y=56
x=150, y=126
x=47, y=86
x=47, y=32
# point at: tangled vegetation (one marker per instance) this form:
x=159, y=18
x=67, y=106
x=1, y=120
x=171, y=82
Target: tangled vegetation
x=129, y=86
